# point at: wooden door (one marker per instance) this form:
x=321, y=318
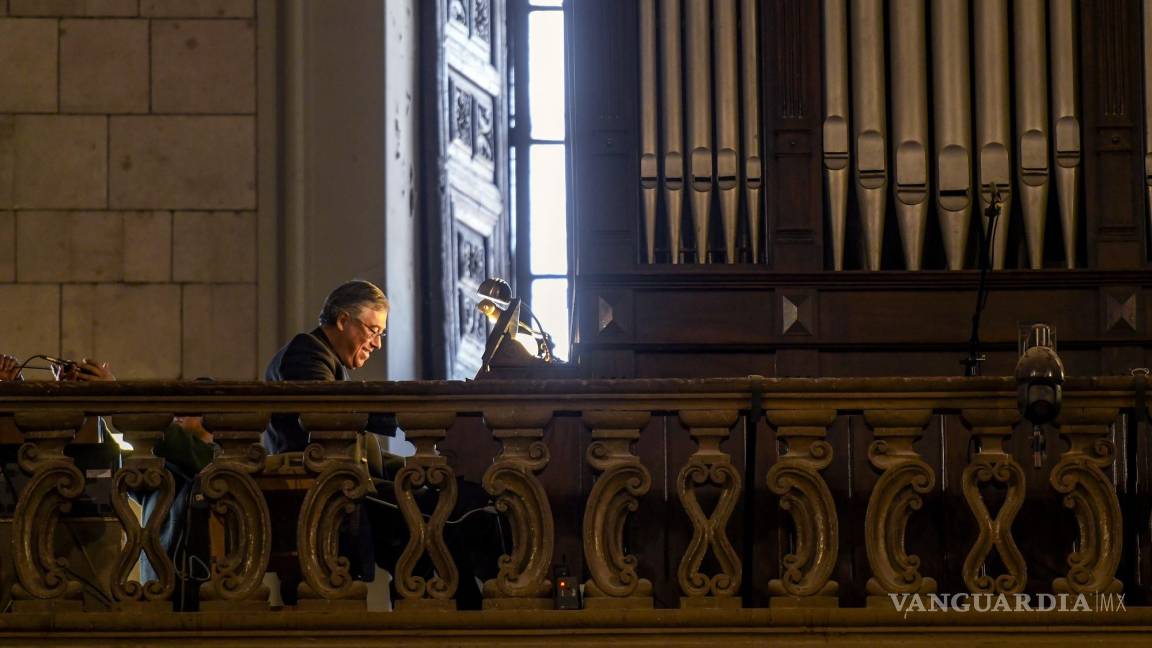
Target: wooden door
x=466, y=176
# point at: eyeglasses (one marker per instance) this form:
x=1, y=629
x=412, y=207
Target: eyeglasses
x=373, y=331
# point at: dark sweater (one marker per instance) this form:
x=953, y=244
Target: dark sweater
x=309, y=356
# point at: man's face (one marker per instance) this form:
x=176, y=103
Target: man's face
x=358, y=334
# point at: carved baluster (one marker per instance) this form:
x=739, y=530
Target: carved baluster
x=44, y=582
x=992, y=427
x=142, y=472
x=426, y=467
x=709, y=465
x=894, y=499
x=623, y=478
x=523, y=578
x=341, y=482
x=228, y=486
x=804, y=494
x=1091, y=496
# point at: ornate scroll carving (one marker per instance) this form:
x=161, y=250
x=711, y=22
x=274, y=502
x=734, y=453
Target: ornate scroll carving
x=485, y=135
x=1089, y=493
x=804, y=494
x=709, y=466
x=228, y=485
x=426, y=467
x=341, y=482
x=523, y=578
x=623, y=478
x=458, y=12
x=482, y=20
x=461, y=123
x=991, y=463
x=43, y=577
x=894, y=499
x=143, y=473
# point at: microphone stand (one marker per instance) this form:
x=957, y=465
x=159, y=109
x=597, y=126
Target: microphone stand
x=972, y=362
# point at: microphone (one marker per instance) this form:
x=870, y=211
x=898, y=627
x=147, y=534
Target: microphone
x=59, y=361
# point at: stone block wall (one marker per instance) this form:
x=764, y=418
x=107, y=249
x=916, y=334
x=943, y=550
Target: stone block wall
x=128, y=184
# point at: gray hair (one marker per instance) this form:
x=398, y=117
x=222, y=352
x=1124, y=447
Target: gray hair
x=351, y=298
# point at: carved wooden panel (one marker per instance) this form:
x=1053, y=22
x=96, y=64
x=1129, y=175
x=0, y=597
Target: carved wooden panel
x=473, y=257
x=1113, y=167
x=466, y=177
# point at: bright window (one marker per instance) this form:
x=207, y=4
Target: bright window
x=537, y=134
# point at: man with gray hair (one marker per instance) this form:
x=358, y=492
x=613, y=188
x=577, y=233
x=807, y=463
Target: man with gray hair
x=353, y=323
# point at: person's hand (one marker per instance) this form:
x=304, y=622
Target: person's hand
x=88, y=370
x=9, y=368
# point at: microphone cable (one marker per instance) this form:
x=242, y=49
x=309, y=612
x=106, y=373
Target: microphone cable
x=489, y=508
x=55, y=365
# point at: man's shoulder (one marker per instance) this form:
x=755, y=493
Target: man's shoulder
x=305, y=357
x=307, y=342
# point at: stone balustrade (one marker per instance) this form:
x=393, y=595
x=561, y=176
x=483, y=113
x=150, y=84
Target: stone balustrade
x=718, y=493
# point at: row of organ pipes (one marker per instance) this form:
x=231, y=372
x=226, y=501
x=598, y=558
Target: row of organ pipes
x=685, y=45
x=699, y=63
x=1045, y=115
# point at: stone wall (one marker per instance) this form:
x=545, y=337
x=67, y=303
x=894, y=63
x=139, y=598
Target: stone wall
x=128, y=184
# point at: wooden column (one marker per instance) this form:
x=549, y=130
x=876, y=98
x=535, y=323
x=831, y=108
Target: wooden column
x=522, y=582
x=1111, y=73
x=896, y=496
x=709, y=466
x=235, y=499
x=43, y=583
x=143, y=473
x=622, y=479
x=426, y=468
x=992, y=463
x=790, y=33
x=341, y=482
x=1079, y=476
x=806, y=571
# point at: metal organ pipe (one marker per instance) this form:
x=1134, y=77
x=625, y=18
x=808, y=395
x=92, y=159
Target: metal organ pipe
x=1065, y=121
x=753, y=168
x=671, y=106
x=952, y=101
x=727, y=120
x=649, y=160
x=993, y=129
x=1032, y=122
x=871, y=133
x=699, y=86
x=910, y=125
x=836, y=111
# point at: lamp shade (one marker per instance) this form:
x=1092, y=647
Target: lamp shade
x=497, y=291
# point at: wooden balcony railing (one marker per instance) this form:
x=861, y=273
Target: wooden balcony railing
x=724, y=493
